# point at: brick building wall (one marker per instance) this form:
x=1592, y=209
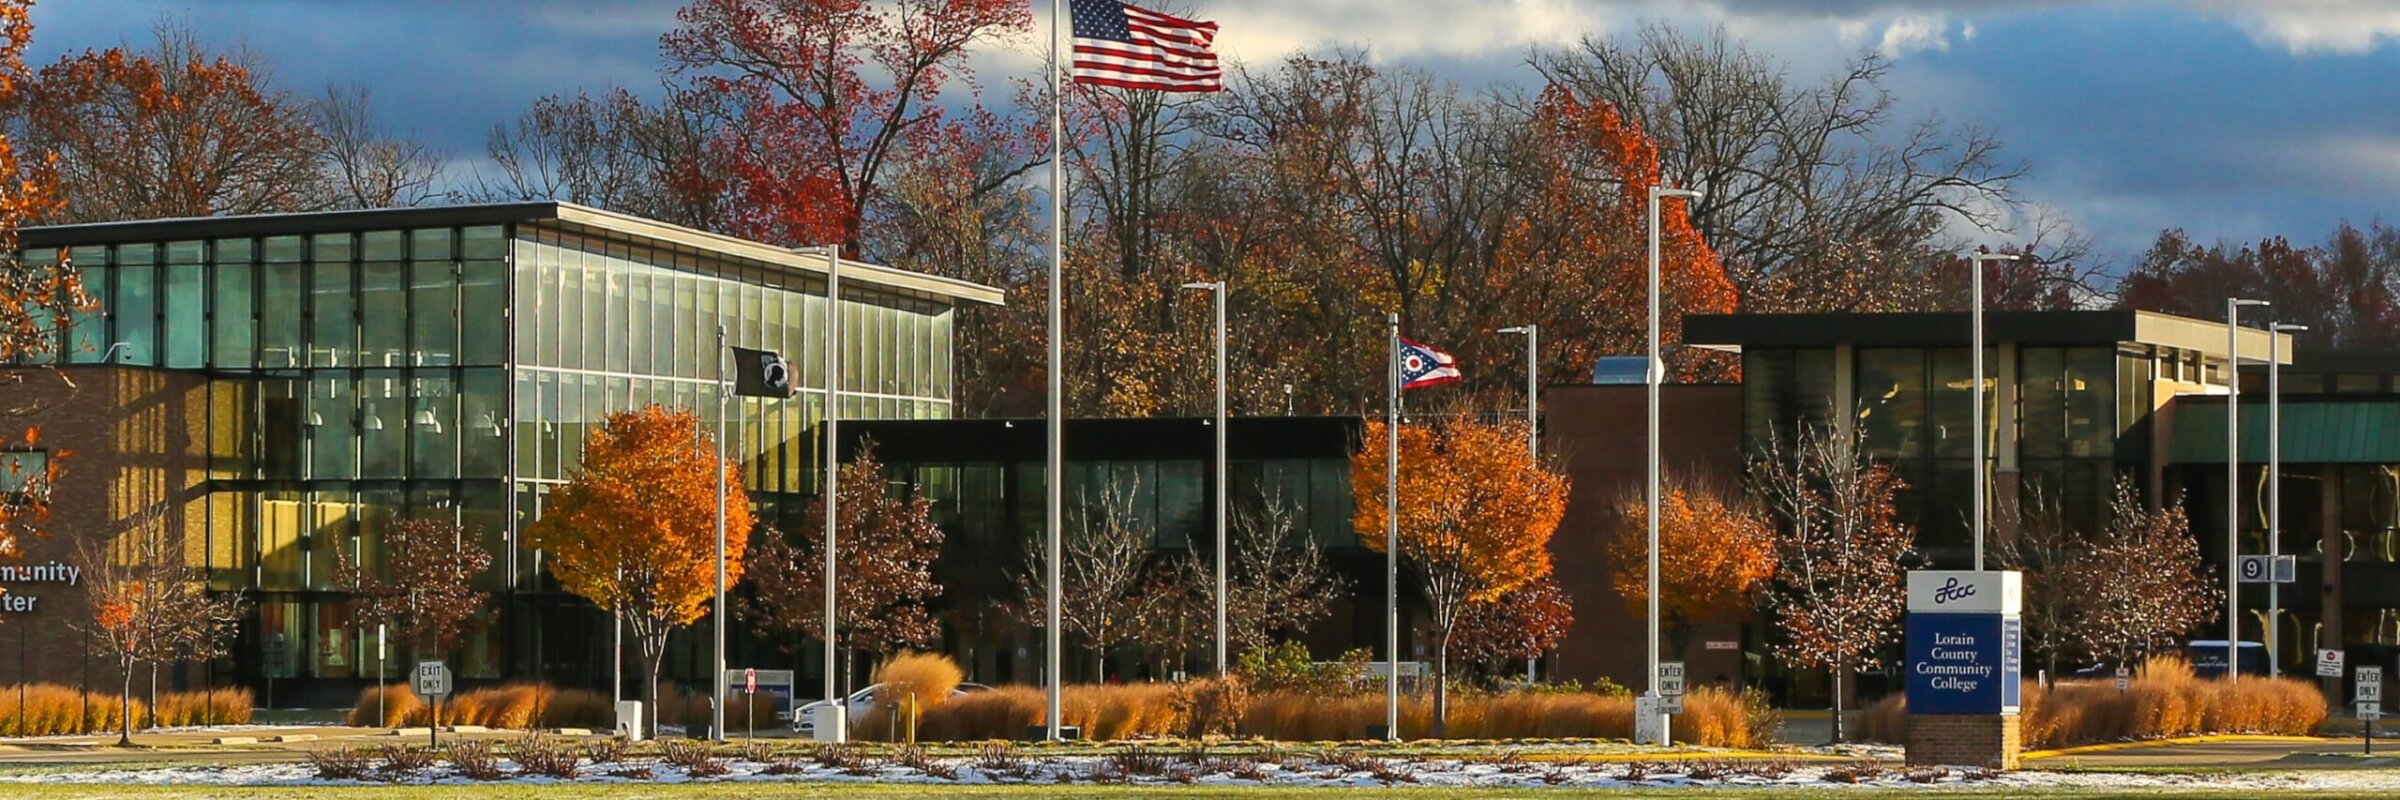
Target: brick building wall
x=129, y=445
x=1597, y=433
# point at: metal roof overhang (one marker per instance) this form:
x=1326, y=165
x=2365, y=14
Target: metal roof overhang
x=566, y=216
x=1733, y=332
x=2316, y=430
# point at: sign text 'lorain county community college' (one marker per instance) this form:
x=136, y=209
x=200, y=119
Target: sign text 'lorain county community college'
x=15, y=602
x=1964, y=643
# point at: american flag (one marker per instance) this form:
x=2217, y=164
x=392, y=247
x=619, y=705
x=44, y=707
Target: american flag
x=1136, y=48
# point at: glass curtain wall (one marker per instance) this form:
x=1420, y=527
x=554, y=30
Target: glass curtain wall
x=355, y=377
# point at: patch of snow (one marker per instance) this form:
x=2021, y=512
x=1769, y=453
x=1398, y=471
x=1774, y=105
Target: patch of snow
x=1234, y=770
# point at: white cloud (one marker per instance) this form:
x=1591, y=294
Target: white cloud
x=2347, y=27
x=1914, y=33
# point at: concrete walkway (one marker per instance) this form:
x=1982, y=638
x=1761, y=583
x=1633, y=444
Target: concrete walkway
x=228, y=745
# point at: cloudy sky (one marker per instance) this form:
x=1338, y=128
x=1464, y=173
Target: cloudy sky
x=2233, y=119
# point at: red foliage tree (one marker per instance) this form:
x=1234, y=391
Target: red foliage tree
x=820, y=97
x=2347, y=289
x=1520, y=625
x=424, y=586
x=885, y=552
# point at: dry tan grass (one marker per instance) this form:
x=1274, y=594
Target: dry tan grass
x=2164, y=701
x=50, y=710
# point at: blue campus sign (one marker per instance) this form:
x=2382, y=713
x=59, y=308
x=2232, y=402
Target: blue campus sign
x=1965, y=643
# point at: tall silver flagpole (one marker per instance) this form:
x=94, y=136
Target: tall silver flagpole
x=833, y=483
x=1056, y=424
x=716, y=729
x=1391, y=537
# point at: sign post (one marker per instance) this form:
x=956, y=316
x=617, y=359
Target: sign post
x=1965, y=667
x=433, y=681
x=1670, y=687
x=2369, y=694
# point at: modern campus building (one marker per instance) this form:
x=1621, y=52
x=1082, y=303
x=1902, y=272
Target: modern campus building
x=277, y=388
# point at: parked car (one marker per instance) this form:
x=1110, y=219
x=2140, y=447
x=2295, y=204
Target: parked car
x=860, y=703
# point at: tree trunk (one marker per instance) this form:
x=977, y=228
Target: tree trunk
x=153, y=709
x=1441, y=683
x=1837, y=705
x=654, y=651
x=125, y=706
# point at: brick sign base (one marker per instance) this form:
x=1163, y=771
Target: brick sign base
x=1993, y=740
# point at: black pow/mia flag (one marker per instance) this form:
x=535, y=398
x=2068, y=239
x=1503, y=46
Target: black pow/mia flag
x=762, y=373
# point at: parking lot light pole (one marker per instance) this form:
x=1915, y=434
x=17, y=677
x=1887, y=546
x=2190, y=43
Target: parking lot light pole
x=1216, y=290
x=1982, y=471
x=2233, y=484
x=2275, y=493
x=1651, y=376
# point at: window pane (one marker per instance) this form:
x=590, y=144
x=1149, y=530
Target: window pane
x=2043, y=427
x=2090, y=383
x=333, y=424
x=383, y=425
x=136, y=314
x=233, y=329
x=483, y=314
x=187, y=316
x=279, y=315
x=333, y=330
x=88, y=341
x=1891, y=395
x=383, y=314
x=483, y=424
x=433, y=424
x=433, y=315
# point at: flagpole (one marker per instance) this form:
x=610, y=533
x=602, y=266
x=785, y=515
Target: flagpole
x=1055, y=424
x=833, y=470
x=716, y=725
x=1391, y=536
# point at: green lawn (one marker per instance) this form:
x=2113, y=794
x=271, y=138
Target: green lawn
x=750, y=790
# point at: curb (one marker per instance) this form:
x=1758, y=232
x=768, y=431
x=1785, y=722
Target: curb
x=2179, y=740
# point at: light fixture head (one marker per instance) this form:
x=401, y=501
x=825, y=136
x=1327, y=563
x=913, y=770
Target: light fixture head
x=1688, y=194
x=2286, y=327
x=1996, y=257
x=2244, y=301
x=1208, y=285
x=1517, y=329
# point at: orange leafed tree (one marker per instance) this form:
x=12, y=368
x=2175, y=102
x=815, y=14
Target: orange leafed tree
x=634, y=528
x=173, y=131
x=1715, y=552
x=36, y=294
x=1476, y=516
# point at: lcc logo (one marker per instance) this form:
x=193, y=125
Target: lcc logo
x=1952, y=590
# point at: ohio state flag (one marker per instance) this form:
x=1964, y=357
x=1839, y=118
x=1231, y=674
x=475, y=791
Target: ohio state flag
x=1423, y=365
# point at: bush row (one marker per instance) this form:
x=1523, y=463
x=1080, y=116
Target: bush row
x=44, y=709
x=2165, y=700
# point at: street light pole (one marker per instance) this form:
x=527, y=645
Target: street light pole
x=1651, y=377
x=716, y=730
x=1533, y=416
x=2275, y=492
x=2233, y=484
x=1982, y=470
x=839, y=711
x=1216, y=290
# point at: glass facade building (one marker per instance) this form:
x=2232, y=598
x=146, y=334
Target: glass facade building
x=361, y=366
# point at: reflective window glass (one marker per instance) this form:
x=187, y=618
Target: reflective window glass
x=233, y=331
x=136, y=314
x=433, y=290
x=333, y=319
x=187, y=315
x=383, y=314
x=433, y=424
x=383, y=424
x=1891, y=395
x=333, y=424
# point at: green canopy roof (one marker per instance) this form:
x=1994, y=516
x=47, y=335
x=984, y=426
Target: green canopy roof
x=2363, y=430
